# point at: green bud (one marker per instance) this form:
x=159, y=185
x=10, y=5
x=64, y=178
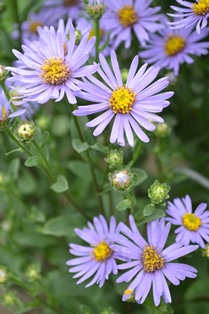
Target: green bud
x=121, y=179
x=3, y=274
x=9, y=299
x=95, y=9
x=124, y=74
x=108, y=310
x=115, y=158
x=43, y=122
x=25, y=130
x=158, y=192
x=33, y=272
x=205, y=251
x=162, y=130
x=3, y=73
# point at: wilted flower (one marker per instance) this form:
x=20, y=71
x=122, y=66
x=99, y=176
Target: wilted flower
x=128, y=104
x=150, y=263
x=194, y=227
x=122, y=179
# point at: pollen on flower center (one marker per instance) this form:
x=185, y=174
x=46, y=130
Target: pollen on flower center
x=122, y=100
x=102, y=252
x=151, y=259
x=191, y=222
x=34, y=25
x=174, y=45
x=55, y=71
x=127, y=15
x=201, y=8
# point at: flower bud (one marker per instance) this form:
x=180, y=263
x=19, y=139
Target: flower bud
x=158, y=192
x=121, y=179
x=162, y=130
x=95, y=9
x=205, y=251
x=115, y=158
x=33, y=272
x=9, y=299
x=124, y=74
x=25, y=130
x=3, y=274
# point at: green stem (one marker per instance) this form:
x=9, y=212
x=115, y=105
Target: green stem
x=96, y=31
x=49, y=171
x=130, y=196
x=137, y=151
x=15, y=13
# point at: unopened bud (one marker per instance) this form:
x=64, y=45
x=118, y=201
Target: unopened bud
x=122, y=179
x=115, y=158
x=3, y=274
x=124, y=74
x=33, y=272
x=158, y=192
x=205, y=251
x=95, y=8
x=25, y=130
x=9, y=299
x=3, y=73
x=162, y=130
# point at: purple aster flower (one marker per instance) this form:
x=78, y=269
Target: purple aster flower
x=67, y=8
x=194, y=227
x=97, y=259
x=194, y=13
x=150, y=262
x=126, y=15
x=131, y=105
x=49, y=68
x=171, y=48
x=6, y=110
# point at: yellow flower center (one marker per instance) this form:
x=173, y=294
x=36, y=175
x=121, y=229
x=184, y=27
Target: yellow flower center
x=34, y=25
x=70, y=3
x=122, y=99
x=4, y=114
x=152, y=261
x=191, y=222
x=127, y=15
x=92, y=33
x=102, y=252
x=201, y=8
x=128, y=291
x=174, y=45
x=55, y=71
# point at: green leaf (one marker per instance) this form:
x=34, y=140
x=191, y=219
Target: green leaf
x=157, y=213
x=101, y=148
x=14, y=151
x=123, y=205
x=45, y=139
x=141, y=175
x=148, y=210
x=80, y=169
x=79, y=146
x=33, y=239
x=32, y=161
x=62, y=225
x=61, y=185
x=13, y=168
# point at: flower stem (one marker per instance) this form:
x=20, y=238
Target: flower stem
x=96, y=31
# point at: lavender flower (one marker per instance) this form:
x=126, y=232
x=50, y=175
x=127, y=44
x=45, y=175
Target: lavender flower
x=192, y=14
x=129, y=104
x=49, y=68
x=194, y=227
x=171, y=48
x=151, y=263
x=98, y=258
x=67, y=8
x=126, y=15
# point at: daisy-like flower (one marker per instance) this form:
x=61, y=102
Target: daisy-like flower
x=67, y=8
x=6, y=110
x=126, y=15
x=194, y=227
x=49, y=68
x=194, y=13
x=150, y=262
x=97, y=259
x=171, y=48
x=130, y=104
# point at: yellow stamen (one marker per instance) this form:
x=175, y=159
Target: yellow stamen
x=102, y=252
x=70, y=3
x=122, y=100
x=127, y=15
x=92, y=33
x=174, y=45
x=201, y=8
x=34, y=25
x=55, y=71
x=152, y=260
x=128, y=291
x=191, y=222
